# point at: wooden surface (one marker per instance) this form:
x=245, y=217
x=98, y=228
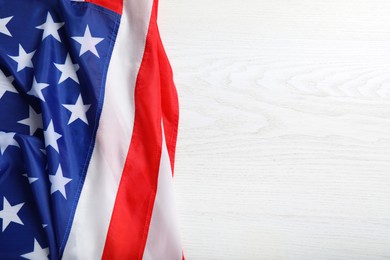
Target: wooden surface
x=284, y=143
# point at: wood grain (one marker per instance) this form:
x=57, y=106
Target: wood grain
x=284, y=142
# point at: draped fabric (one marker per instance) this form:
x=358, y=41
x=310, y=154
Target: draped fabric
x=88, y=128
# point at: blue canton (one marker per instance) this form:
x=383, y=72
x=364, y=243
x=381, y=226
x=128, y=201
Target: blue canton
x=54, y=56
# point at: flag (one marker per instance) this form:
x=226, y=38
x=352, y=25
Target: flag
x=88, y=128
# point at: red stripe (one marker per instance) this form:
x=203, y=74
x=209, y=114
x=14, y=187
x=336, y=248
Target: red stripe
x=133, y=207
x=114, y=5
x=170, y=105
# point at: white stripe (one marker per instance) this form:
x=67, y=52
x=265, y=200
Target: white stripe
x=163, y=239
x=94, y=210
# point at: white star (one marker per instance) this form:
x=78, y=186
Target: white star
x=30, y=179
x=7, y=139
x=68, y=70
x=3, y=25
x=50, y=28
x=10, y=214
x=34, y=121
x=24, y=59
x=38, y=252
x=78, y=111
x=58, y=182
x=36, y=89
x=51, y=136
x=6, y=84
x=88, y=43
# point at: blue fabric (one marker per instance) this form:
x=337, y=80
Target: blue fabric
x=31, y=155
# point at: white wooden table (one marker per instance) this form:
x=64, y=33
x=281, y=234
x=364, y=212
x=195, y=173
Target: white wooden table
x=284, y=143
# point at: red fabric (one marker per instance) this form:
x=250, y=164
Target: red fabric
x=169, y=101
x=155, y=100
x=114, y=5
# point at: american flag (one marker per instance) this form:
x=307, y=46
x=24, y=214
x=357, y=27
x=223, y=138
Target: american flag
x=88, y=127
